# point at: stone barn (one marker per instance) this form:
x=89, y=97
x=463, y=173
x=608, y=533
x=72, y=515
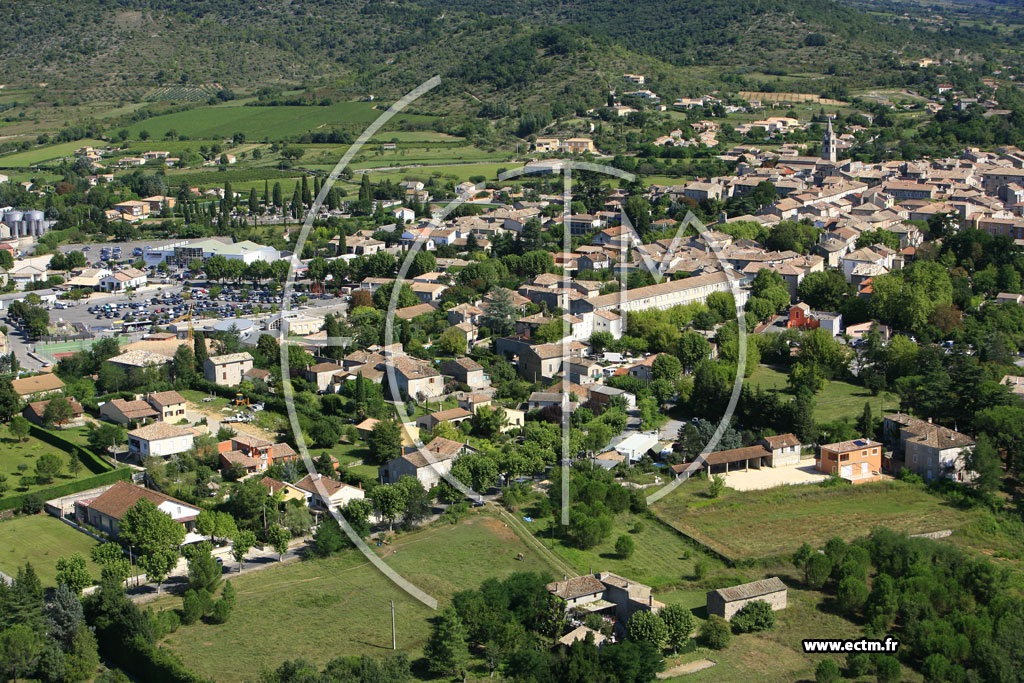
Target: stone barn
x=726, y=602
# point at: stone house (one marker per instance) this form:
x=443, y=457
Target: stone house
x=726, y=602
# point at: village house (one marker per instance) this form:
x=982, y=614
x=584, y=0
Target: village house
x=858, y=461
x=44, y=384
x=253, y=454
x=106, y=511
x=122, y=412
x=227, y=370
x=169, y=404
x=416, y=378
x=34, y=412
x=160, y=439
x=467, y=371
x=427, y=464
x=328, y=494
x=453, y=416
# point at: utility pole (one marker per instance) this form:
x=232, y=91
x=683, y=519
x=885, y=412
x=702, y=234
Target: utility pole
x=394, y=641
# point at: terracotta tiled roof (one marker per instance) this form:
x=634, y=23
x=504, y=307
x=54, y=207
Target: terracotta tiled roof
x=117, y=500
x=576, y=587
x=26, y=386
x=166, y=398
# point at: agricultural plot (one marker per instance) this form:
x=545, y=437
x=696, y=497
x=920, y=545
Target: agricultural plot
x=38, y=156
x=772, y=522
x=263, y=122
x=797, y=97
x=182, y=93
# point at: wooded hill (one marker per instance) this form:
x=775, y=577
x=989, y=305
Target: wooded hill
x=375, y=47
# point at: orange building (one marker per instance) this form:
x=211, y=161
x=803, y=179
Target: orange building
x=800, y=317
x=857, y=461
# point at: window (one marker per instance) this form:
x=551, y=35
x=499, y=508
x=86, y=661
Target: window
x=843, y=457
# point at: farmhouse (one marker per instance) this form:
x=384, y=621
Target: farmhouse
x=726, y=602
x=604, y=592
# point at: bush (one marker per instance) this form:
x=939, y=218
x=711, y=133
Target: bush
x=700, y=570
x=221, y=611
x=637, y=527
x=827, y=671
x=165, y=622
x=887, y=669
x=715, y=633
x=858, y=664
x=32, y=504
x=191, y=607
x=624, y=546
x=756, y=615
x=817, y=570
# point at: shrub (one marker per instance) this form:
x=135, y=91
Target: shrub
x=715, y=633
x=624, y=546
x=637, y=527
x=887, y=669
x=756, y=615
x=221, y=611
x=858, y=664
x=827, y=671
x=32, y=504
x=191, y=607
x=817, y=571
x=700, y=570
x=647, y=627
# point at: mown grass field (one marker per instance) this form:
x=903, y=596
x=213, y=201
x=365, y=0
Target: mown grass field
x=262, y=122
x=41, y=540
x=18, y=462
x=41, y=154
x=757, y=524
x=321, y=609
x=837, y=400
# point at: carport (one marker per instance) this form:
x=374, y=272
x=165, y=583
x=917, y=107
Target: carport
x=749, y=457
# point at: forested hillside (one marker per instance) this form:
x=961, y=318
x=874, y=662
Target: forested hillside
x=373, y=47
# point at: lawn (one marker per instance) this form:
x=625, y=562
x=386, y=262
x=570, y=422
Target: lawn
x=41, y=540
x=321, y=609
x=262, y=122
x=41, y=154
x=18, y=462
x=757, y=524
x=838, y=399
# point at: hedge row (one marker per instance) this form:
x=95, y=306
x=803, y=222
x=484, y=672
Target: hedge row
x=15, y=502
x=151, y=663
x=94, y=462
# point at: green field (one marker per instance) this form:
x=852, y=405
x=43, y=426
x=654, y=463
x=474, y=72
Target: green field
x=776, y=656
x=321, y=609
x=662, y=558
x=41, y=154
x=41, y=540
x=838, y=399
x=262, y=122
x=18, y=462
x=756, y=524
x=457, y=172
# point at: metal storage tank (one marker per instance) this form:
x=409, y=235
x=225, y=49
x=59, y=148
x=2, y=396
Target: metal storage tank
x=12, y=217
x=35, y=215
